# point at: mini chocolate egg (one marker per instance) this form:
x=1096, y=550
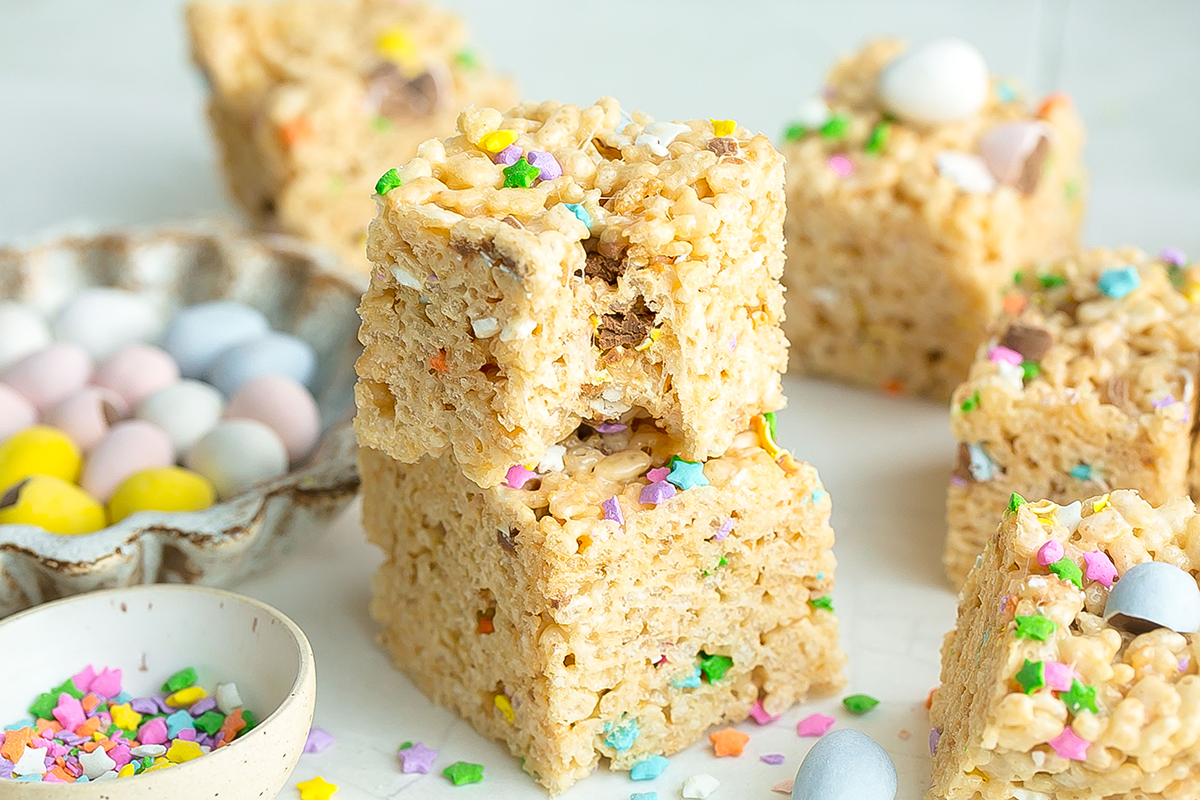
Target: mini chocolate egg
x=160, y=489
x=22, y=332
x=200, y=333
x=136, y=372
x=237, y=455
x=49, y=376
x=51, y=503
x=282, y=405
x=846, y=765
x=38, y=450
x=1016, y=151
x=15, y=412
x=87, y=415
x=104, y=320
x=1153, y=595
x=940, y=82
x=186, y=411
x=272, y=354
x=131, y=446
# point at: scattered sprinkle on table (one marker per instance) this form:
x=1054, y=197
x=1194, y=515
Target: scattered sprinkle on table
x=416, y=757
x=316, y=789
x=462, y=772
x=814, y=725
x=859, y=703
x=318, y=741
x=700, y=787
x=774, y=759
x=648, y=768
x=728, y=742
x=783, y=787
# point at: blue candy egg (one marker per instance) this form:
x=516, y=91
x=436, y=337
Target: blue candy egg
x=1154, y=595
x=201, y=333
x=271, y=354
x=846, y=765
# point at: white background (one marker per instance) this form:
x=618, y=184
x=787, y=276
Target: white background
x=101, y=123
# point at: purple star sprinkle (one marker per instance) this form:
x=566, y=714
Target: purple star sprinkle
x=612, y=511
x=934, y=736
x=1169, y=400
x=201, y=706
x=723, y=531
x=508, y=156
x=548, y=167
x=318, y=741
x=144, y=705
x=774, y=759
x=657, y=492
x=1173, y=256
x=610, y=427
x=518, y=476
x=417, y=758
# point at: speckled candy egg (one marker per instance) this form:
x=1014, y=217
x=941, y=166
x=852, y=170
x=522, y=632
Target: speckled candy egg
x=38, y=450
x=200, y=333
x=1154, y=595
x=49, y=376
x=237, y=455
x=104, y=320
x=272, y=354
x=136, y=372
x=943, y=81
x=160, y=489
x=282, y=405
x=186, y=411
x=53, y=504
x=87, y=415
x=846, y=765
x=15, y=412
x=22, y=331
x=131, y=446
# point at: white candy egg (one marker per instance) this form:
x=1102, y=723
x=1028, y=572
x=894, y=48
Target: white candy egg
x=272, y=354
x=22, y=332
x=103, y=320
x=846, y=765
x=1154, y=595
x=185, y=410
x=943, y=81
x=199, y=334
x=237, y=455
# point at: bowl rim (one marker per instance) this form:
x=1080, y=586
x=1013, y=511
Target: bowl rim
x=306, y=669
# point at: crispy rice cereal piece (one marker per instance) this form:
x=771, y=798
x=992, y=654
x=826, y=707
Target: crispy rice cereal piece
x=893, y=271
x=1079, y=392
x=312, y=99
x=1129, y=725
x=571, y=636
x=645, y=277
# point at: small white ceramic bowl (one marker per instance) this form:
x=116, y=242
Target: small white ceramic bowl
x=151, y=632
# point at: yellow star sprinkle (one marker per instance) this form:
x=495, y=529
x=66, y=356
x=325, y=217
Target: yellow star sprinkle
x=126, y=771
x=182, y=750
x=124, y=717
x=723, y=127
x=186, y=697
x=396, y=46
x=496, y=141
x=1100, y=504
x=505, y=707
x=316, y=789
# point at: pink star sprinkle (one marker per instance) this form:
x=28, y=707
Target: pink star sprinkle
x=658, y=474
x=1184, y=663
x=841, y=165
x=760, y=714
x=518, y=476
x=1100, y=568
x=1068, y=745
x=1050, y=552
x=1004, y=355
x=610, y=427
x=1058, y=675
x=814, y=725
x=784, y=787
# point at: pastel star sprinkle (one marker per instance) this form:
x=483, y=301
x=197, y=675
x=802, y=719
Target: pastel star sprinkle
x=461, y=772
x=316, y=789
x=714, y=667
x=1100, y=568
x=1173, y=256
x=1081, y=472
x=658, y=474
x=784, y=786
x=934, y=737
x=644, y=796
x=388, y=181
x=1059, y=676
x=814, y=725
x=656, y=493
x=841, y=166
x=417, y=758
x=583, y=216
x=760, y=715
x=1119, y=281
x=497, y=141
x=687, y=680
x=520, y=175
x=517, y=476
x=728, y=742
x=508, y=156
x=1032, y=676
x=612, y=511
x=648, y=768
x=723, y=531
x=1068, y=744
x=859, y=703
x=824, y=602
x=1002, y=354
x=621, y=736
x=687, y=474
x=1050, y=552
x=774, y=759
x=1068, y=570
x=1079, y=698
x=547, y=165
x=723, y=127
x=1034, y=627
x=699, y=787
x=318, y=740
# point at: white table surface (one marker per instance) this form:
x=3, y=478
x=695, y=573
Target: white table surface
x=101, y=123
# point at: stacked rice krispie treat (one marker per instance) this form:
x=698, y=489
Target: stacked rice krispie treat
x=1073, y=671
x=595, y=547
x=1086, y=384
x=312, y=99
x=916, y=186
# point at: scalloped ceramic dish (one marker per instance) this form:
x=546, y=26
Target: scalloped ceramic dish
x=300, y=291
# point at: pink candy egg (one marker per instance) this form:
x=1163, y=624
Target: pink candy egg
x=131, y=446
x=49, y=376
x=284, y=406
x=87, y=415
x=136, y=372
x=16, y=413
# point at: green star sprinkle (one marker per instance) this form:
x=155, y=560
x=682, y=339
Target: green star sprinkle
x=794, y=132
x=1050, y=281
x=466, y=59
x=1030, y=370
x=1035, y=627
x=520, y=175
x=461, y=772
x=209, y=722
x=971, y=403
x=1079, y=697
x=836, y=127
x=714, y=667
x=43, y=707
x=1018, y=278
x=859, y=703
x=1015, y=501
x=388, y=181
x=825, y=602
x=878, y=139
x=1032, y=676
x=769, y=416
x=1068, y=570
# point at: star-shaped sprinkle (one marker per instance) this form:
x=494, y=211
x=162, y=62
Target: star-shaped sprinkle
x=934, y=737
x=417, y=758
x=1119, y=281
x=1034, y=627
x=723, y=531
x=760, y=715
x=1059, y=676
x=518, y=476
x=520, y=175
x=774, y=759
x=784, y=787
x=1068, y=745
x=687, y=680
x=1015, y=501
x=583, y=216
x=508, y=156
x=1081, y=472
x=687, y=474
x=388, y=181
x=1173, y=256
x=824, y=602
x=728, y=742
x=1032, y=676
x=658, y=474
x=859, y=703
x=1050, y=552
x=1068, y=570
x=1000, y=353
x=648, y=768
x=547, y=165
x=1079, y=698
x=612, y=511
x=723, y=127
x=714, y=667
x=656, y=493
x=699, y=787
x=316, y=789
x=644, y=796
x=1100, y=568
x=461, y=772
x=814, y=725
x=498, y=141
x=621, y=736
x=318, y=740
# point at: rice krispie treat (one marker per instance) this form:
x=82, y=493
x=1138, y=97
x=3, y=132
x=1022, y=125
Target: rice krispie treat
x=615, y=605
x=557, y=265
x=1072, y=672
x=915, y=188
x=1086, y=387
x=312, y=99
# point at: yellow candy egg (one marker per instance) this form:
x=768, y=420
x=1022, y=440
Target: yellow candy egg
x=38, y=450
x=51, y=503
x=160, y=489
